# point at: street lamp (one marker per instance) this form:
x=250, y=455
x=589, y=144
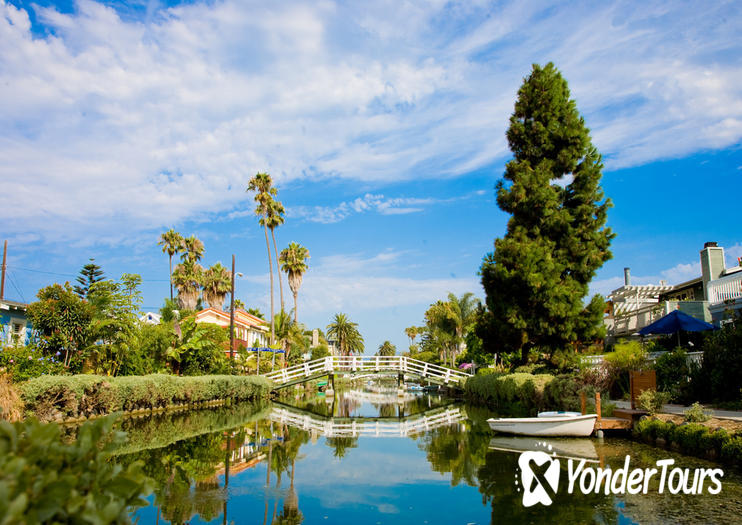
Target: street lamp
x=231, y=317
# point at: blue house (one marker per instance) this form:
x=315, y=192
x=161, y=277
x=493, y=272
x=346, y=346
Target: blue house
x=14, y=326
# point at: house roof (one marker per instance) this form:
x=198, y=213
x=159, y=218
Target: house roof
x=241, y=317
x=15, y=305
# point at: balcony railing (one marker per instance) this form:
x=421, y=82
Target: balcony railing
x=727, y=288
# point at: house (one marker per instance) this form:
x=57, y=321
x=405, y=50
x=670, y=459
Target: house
x=709, y=297
x=249, y=331
x=14, y=326
x=150, y=318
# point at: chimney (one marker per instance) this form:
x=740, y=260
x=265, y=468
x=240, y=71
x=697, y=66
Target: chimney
x=627, y=276
x=712, y=264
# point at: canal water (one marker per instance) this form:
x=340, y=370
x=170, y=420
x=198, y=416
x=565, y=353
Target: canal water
x=366, y=458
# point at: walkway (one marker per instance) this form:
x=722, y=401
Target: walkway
x=680, y=409
x=365, y=364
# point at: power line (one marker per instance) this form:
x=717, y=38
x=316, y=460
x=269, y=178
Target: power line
x=15, y=285
x=75, y=275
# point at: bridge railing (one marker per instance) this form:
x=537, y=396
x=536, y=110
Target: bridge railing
x=356, y=363
x=332, y=428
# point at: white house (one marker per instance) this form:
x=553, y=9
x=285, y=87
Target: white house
x=710, y=297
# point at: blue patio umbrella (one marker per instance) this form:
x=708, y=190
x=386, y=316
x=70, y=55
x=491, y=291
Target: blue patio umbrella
x=674, y=322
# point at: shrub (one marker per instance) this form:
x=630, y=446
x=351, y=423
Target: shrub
x=720, y=375
x=25, y=362
x=731, y=450
x=564, y=392
x=512, y=391
x=653, y=401
x=673, y=373
x=43, y=480
x=627, y=355
x=696, y=414
x=693, y=438
x=59, y=397
x=652, y=429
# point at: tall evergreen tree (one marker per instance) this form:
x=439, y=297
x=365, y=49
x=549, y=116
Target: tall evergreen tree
x=538, y=276
x=90, y=274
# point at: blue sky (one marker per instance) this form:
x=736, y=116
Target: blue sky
x=383, y=124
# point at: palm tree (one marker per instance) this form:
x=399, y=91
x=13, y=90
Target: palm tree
x=464, y=309
x=262, y=185
x=294, y=262
x=171, y=242
x=187, y=279
x=387, y=349
x=448, y=322
x=346, y=334
x=412, y=332
x=216, y=285
x=289, y=334
x=193, y=249
x=273, y=220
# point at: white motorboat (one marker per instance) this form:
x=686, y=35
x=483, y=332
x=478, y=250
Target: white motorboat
x=559, y=414
x=564, y=425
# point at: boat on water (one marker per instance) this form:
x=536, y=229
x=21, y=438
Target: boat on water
x=558, y=414
x=572, y=424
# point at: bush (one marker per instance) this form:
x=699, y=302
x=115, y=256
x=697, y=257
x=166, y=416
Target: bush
x=653, y=401
x=693, y=438
x=731, y=450
x=719, y=378
x=696, y=414
x=513, y=391
x=320, y=351
x=673, y=373
x=25, y=362
x=626, y=356
x=564, y=392
x=61, y=397
x=43, y=480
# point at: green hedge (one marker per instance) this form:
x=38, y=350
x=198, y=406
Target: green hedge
x=61, y=397
x=521, y=393
x=514, y=392
x=693, y=439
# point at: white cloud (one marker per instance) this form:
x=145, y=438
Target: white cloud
x=357, y=283
x=681, y=273
x=109, y=122
x=732, y=254
x=677, y=274
x=369, y=202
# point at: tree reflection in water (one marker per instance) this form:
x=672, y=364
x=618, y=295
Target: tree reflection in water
x=188, y=473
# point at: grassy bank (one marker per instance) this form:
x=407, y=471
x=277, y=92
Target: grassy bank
x=59, y=398
x=693, y=439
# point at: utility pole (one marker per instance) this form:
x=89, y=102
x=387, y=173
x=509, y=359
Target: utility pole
x=231, y=319
x=2, y=279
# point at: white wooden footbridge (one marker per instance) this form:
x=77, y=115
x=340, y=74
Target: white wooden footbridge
x=368, y=427
x=342, y=365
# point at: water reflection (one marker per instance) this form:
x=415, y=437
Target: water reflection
x=367, y=459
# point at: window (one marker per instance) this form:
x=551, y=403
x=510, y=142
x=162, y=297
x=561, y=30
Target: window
x=17, y=336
